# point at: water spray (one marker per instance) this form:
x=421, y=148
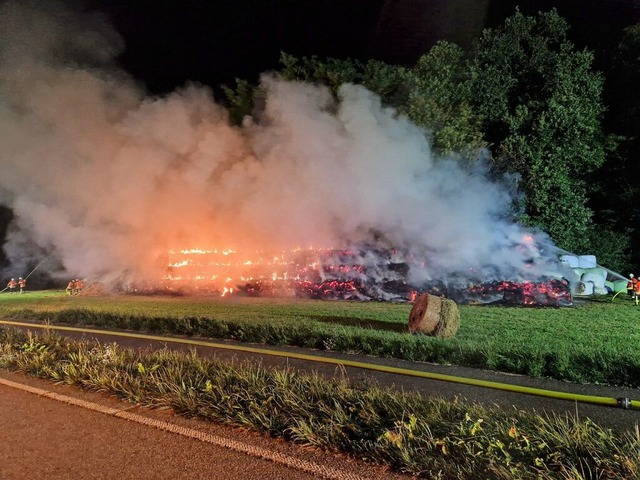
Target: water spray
x=46, y=258
x=36, y=267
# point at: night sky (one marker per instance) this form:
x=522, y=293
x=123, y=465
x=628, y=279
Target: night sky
x=169, y=42
x=212, y=42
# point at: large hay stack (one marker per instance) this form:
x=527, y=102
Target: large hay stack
x=434, y=316
x=93, y=289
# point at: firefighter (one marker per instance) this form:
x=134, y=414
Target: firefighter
x=22, y=283
x=79, y=285
x=12, y=285
x=71, y=287
x=631, y=286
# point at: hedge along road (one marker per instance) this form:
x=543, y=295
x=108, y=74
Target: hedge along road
x=611, y=407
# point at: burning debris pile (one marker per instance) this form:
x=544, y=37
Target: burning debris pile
x=336, y=274
x=359, y=273
x=311, y=166
x=544, y=292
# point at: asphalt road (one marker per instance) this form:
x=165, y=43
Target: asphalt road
x=42, y=437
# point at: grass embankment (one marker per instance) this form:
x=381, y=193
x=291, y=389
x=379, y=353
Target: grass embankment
x=593, y=342
x=435, y=439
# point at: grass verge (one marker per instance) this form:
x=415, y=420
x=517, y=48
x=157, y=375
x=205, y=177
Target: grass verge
x=430, y=438
x=594, y=342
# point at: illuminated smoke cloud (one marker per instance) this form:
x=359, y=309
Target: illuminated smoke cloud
x=109, y=179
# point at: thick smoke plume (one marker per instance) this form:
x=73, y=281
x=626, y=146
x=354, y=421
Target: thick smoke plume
x=107, y=179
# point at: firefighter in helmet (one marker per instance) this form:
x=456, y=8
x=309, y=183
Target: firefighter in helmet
x=22, y=283
x=631, y=286
x=12, y=285
x=71, y=287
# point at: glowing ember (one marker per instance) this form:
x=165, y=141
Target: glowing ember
x=311, y=273
x=363, y=273
x=552, y=292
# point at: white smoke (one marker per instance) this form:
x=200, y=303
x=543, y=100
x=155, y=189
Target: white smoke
x=108, y=179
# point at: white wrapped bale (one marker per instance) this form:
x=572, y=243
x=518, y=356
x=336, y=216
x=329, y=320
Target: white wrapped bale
x=620, y=286
x=569, y=260
x=579, y=272
x=597, y=271
x=587, y=289
x=600, y=291
x=587, y=261
x=595, y=279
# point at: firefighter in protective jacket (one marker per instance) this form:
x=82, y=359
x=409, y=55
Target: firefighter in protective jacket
x=631, y=286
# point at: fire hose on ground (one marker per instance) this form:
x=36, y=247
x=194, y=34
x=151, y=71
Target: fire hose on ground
x=624, y=403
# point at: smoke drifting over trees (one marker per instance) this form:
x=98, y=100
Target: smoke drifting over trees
x=108, y=179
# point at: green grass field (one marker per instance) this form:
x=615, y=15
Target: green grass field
x=595, y=341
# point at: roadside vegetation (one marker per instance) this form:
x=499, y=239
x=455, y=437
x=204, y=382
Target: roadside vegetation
x=593, y=342
x=430, y=438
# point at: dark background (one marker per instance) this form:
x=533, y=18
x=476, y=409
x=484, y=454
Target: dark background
x=213, y=42
x=169, y=42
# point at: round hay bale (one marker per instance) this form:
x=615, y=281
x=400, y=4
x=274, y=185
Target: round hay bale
x=434, y=316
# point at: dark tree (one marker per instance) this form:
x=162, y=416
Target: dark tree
x=439, y=100
x=542, y=108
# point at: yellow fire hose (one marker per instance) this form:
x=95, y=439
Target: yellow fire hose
x=621, y=402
